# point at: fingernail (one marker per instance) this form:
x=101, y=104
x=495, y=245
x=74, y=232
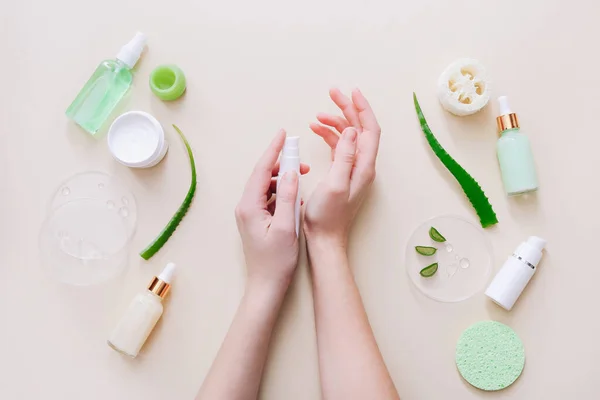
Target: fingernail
x=350, y=134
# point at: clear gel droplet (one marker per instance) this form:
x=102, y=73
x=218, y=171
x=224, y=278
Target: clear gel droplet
x=125, y=200
x=110, y=204
x=124, y=212
x=464, y=263
x=449, y=248
x=101, y=185
x=65, y=191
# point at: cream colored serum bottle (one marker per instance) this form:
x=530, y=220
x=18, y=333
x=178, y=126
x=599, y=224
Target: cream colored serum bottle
x=142, y=315
x=514, y=153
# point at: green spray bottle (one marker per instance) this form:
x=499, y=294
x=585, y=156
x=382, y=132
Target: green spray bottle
x=106, y=87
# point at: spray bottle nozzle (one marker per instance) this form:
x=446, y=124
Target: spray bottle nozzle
x=131, y=52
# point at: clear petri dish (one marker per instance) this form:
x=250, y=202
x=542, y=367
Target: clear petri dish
x=86, y=236
x=464, y=260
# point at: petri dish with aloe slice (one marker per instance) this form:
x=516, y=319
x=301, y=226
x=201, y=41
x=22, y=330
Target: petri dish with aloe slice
x=464, y=259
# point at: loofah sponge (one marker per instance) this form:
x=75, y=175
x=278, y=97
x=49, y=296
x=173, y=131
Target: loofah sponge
x=490, y=355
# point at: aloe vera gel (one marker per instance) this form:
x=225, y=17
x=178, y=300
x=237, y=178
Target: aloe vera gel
x=514, y=153
x=106, y=87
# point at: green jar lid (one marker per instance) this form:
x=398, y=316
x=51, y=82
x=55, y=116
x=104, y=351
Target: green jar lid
x=167, y=82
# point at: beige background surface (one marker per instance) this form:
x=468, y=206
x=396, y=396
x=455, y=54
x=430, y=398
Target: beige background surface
x=252, y=68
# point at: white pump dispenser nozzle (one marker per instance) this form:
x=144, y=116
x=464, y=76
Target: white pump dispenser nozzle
x=131, y=52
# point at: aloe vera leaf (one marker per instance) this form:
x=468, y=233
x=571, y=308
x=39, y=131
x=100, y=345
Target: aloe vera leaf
x=434, y=234
x=169, y=229
x=425, y=250
x=476, y=195
x=429, y=270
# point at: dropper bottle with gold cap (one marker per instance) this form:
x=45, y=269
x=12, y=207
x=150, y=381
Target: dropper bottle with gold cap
x=514, y=153
x=142, y=315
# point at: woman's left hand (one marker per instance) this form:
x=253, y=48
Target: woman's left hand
x=267, y=227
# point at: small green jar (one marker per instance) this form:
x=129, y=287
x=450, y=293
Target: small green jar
x=167, y=82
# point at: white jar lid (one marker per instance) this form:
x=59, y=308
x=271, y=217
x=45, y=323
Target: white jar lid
x=136, y=139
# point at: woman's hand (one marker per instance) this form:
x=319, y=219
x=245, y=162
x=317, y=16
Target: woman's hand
x=268, y=232
x=271, y=249
x=339, y=311
x=332, y=207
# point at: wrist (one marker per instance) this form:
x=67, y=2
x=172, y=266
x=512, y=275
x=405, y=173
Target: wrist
x=326, y=256
x=260, y=305
x=267, y=291
x=329, y=268
x=326, y=243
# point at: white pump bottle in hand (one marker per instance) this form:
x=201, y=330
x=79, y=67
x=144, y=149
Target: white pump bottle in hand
x=290, y=161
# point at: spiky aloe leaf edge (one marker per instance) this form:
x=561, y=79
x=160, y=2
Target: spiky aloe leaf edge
x=472, y=189
x=170, y=228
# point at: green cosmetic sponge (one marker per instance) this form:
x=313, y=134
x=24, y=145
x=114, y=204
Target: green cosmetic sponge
x=490, y=355
x=167, y=82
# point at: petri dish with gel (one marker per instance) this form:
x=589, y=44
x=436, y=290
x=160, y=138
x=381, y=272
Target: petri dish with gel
x=464, y=259
x=86, y=236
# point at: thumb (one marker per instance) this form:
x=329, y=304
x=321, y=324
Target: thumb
x=284, y=219
x=345, y=153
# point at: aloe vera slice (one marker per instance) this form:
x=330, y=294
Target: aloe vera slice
x=425, y=250
x=169, y=229
x=477, y=197
x=429, y=270
x=436, y=235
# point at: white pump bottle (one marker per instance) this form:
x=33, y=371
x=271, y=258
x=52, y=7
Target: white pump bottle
x=290, y=161
x=516, y=273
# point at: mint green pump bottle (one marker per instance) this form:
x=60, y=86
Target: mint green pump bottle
x=106, y=87
x=514, y=153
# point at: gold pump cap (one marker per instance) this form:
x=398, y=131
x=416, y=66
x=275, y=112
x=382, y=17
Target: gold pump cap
x=507, y=118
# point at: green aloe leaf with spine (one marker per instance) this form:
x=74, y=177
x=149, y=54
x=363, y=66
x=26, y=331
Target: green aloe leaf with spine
x=472, y=189
x=169, y=229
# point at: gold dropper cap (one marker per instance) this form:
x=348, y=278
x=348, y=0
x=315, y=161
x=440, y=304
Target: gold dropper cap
x=159, y=287
x=507, y=118
x=507, y=121
x=160, y=284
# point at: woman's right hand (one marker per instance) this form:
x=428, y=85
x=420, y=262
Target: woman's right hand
x=268, y=228
x=332, y=207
